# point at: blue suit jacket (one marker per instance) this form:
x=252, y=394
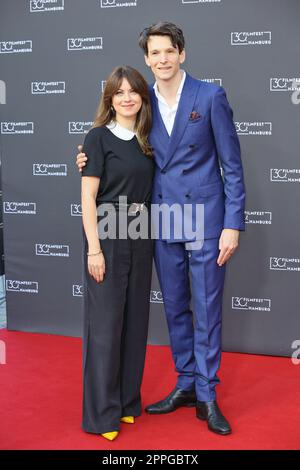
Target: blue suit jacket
x=188, y=162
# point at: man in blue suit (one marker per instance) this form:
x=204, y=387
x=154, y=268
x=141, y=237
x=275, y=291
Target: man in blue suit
x=193, y=135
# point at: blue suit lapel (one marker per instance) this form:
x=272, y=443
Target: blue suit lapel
x=159, y=137
x=185, y=107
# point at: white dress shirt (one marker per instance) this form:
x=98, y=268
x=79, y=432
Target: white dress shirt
x=167, y=112
x=120, y=131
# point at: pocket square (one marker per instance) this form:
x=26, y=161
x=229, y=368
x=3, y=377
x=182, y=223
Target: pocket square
x=194, y=115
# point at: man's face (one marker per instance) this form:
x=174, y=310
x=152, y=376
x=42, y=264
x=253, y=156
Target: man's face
x=163, y=58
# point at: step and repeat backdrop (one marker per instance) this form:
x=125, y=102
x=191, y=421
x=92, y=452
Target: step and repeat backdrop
x=55, y=56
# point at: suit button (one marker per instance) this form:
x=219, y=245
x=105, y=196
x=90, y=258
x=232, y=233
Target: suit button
x=192, y=146
x=187, y=196
x=163, y=171
x=184, y=172
x=160, y=196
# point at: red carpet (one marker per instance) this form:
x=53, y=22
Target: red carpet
x=40, y=387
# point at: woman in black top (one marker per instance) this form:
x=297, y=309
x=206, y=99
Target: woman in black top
x=116, y=182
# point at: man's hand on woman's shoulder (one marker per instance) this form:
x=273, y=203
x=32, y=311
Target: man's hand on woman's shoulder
x=81, y=159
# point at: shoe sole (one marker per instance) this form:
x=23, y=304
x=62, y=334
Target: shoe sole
x=189, y=405
x=225, y=433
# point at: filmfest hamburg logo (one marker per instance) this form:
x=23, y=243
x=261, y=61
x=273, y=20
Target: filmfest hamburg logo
x=258, y=217
x=245, y=303
x=77, y=290
x=79, y=127
x=200, y=1
x=19, y=207
x=76, y=210
x=85, y=44
x=284, y=175
x=47, y=88
x=251, y=38
x=14, y=285
x=49, y=169
x=117, y=3
x=284, y=84
x=46, y=5
x=216, y=81
x=17, y=127
x=253, y=128
x=15, y=47
x=285, y=264
x=46, y=249
x=156, y=297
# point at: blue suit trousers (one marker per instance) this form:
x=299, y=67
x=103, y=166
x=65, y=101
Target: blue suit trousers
x=192, y=287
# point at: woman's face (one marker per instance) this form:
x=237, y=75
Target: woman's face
x=126, y=101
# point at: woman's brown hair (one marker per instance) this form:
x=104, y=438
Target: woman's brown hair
x=105, y=112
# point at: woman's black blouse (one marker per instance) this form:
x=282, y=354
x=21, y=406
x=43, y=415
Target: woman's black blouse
x=123, y=168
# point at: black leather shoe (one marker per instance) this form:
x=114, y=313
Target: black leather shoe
x=210, y=412
x=176, y=399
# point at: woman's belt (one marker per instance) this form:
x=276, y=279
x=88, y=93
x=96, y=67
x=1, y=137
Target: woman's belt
x=131, y=208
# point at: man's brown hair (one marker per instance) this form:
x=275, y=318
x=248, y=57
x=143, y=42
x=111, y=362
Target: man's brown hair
x=162, y=28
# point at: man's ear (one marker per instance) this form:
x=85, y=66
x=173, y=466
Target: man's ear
x=182, y=56
x=147, y=60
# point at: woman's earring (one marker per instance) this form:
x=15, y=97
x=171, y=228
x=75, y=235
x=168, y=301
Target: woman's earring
x=112, y=109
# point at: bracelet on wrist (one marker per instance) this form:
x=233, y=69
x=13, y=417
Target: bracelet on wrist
x=94, y=254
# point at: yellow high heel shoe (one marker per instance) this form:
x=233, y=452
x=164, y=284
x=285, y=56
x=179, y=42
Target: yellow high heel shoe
x=128, y=419
x=110, y=436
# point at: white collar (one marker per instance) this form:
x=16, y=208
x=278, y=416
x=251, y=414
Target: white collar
x=120, y=131
x=179, y=91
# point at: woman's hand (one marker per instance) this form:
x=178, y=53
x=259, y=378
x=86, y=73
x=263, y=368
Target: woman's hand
x=96, y=267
